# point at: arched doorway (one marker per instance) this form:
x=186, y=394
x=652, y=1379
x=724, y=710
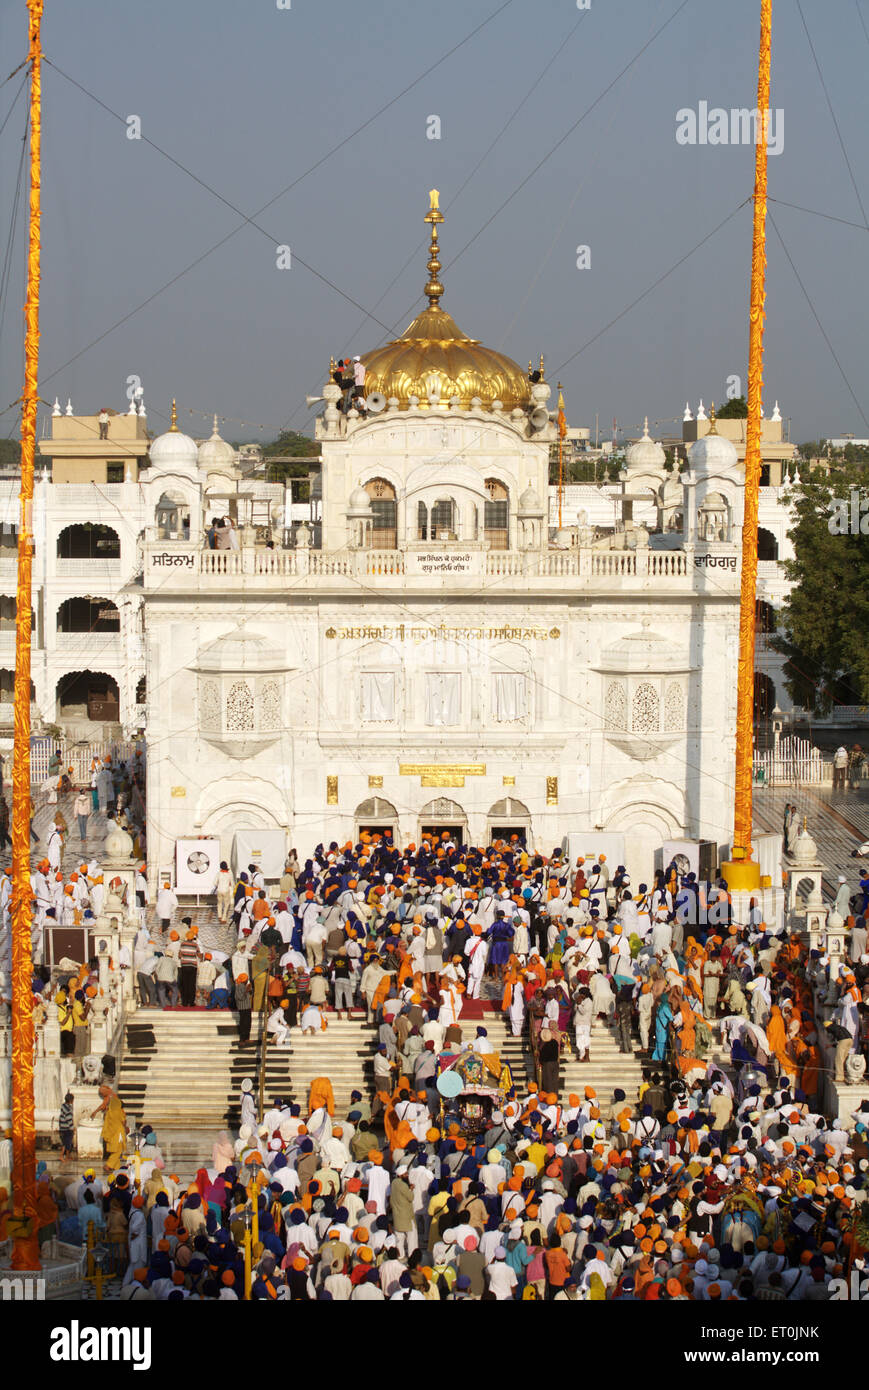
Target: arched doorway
x=88, y=695
x=442, y=815
x=376, y=817
x=496, y=515
x=507, y=818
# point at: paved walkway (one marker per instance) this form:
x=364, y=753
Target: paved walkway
x=838, y=822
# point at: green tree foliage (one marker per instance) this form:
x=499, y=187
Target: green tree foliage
x=734, y=409
x=823, y=624
x=290, y=443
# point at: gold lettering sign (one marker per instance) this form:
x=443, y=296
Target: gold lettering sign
x=179, y=791
x=442, y=769
x=375, y=781
x=552, y=791
x=332, y=791
x=508, y=781
x=402, y=633
x=441, y=779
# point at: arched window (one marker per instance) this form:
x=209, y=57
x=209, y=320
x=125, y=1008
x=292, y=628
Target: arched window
x=421, y=522
x=384, y=532
x=88, y=541
x=173, y=517
x=140, y=691
x=767, y=545
x=91, y=695
x=443, y=520
x=88, y=615
x=496, y=517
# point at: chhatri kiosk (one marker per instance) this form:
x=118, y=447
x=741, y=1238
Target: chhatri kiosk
x=425, y=656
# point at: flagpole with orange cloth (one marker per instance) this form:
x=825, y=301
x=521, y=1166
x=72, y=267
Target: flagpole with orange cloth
x=25, y=1245
x=562, y=431
x=741, y=872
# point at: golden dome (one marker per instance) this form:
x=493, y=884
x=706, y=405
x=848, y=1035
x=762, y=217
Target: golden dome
x=434, y=355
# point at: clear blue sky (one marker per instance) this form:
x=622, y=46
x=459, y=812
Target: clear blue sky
x=248, y=97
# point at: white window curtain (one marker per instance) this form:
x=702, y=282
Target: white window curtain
x=510, y=697
x=378, y=697
x=443, y=698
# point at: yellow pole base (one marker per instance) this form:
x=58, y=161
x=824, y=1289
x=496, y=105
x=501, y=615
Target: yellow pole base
x=741, y=875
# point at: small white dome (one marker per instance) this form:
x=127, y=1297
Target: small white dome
x=173, y=450
x=216, y=456
x=805, y=851
x=647, y=455
x=359, y=500
x=712, y=455
x=529, y=502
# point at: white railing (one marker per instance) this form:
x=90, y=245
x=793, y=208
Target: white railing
x=96, y=567
x=78, y=756
x=89, y=643
x=189, y=562
x=795, y=762
x=94, y=493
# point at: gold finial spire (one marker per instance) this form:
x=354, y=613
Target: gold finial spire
x=174, y=424
x=530, y=367
x=713, y=428
x=434, y=289
x=542, y=376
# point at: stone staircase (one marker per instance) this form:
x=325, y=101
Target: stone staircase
x=181, y=1071
x=606, y=1070
x=184, y=1069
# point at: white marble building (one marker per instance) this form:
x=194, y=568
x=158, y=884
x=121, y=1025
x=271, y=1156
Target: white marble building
x=439, y=661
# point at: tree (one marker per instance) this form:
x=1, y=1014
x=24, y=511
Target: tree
x=290, y=442
x=823, y=624
x=734, y=409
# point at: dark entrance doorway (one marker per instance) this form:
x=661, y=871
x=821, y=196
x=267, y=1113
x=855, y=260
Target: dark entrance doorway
x=506, y=832
x=384, y=831
x=434, y=832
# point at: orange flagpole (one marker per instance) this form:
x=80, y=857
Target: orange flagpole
x=562, y=430
x=742, y=819
x=23, y=1228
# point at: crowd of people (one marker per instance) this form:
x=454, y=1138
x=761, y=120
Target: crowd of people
x=557, y=946
x=69, y=889
x=694, y=1190
x=708, y=1182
